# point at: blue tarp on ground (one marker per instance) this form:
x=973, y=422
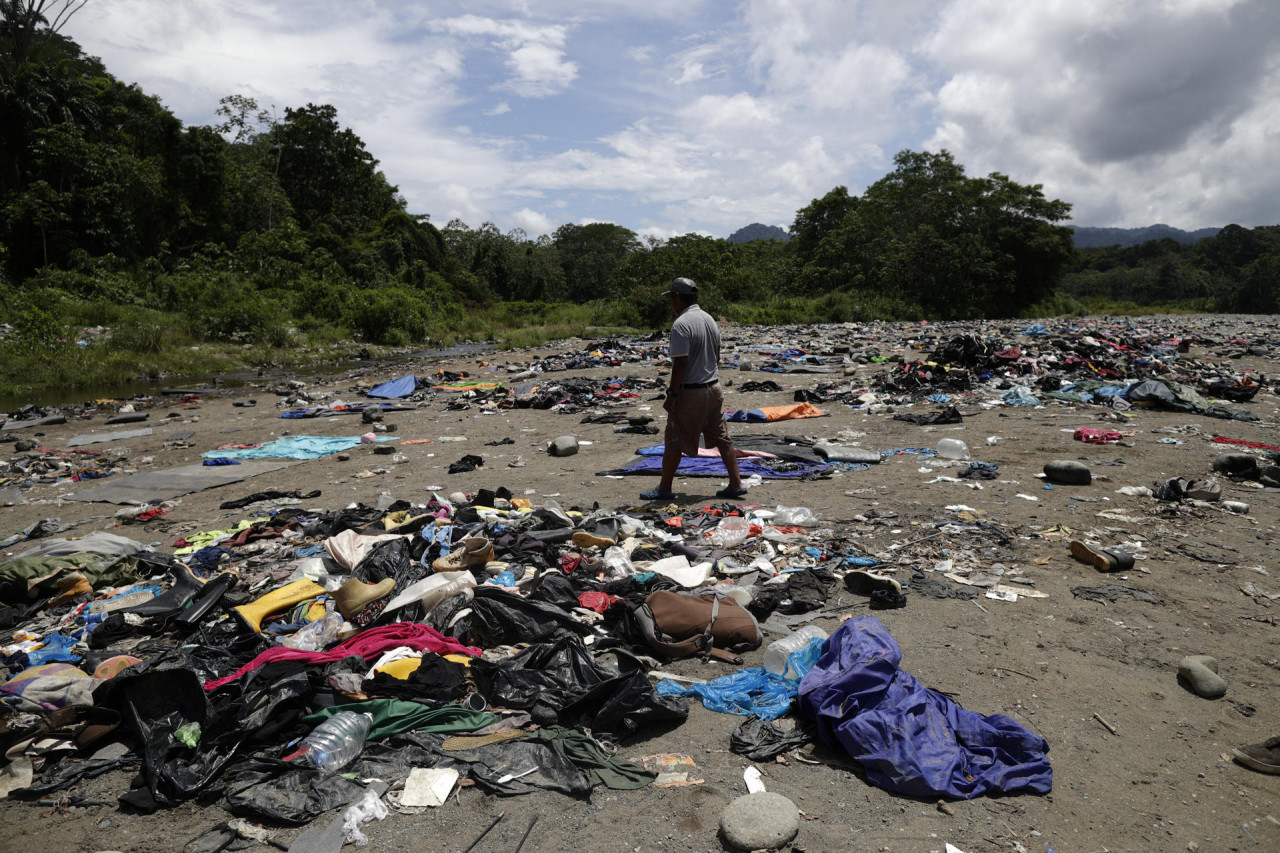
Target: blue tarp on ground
x=712, y=466
x=394, y=389
x=293, y=447
x=908, y=738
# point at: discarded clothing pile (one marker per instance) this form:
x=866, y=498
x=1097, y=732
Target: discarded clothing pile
x=455, y=625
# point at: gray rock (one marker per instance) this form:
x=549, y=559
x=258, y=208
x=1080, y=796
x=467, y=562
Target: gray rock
x=565, y=445
x=1067, y=472
x=763, y=821
x=1237, y=465
x=1201, y=673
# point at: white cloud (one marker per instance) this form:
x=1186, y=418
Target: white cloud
x=534, y=224
x=1124, y=109
x=535, y=54
x=707, y=116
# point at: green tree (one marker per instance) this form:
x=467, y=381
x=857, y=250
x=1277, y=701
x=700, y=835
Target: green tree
x=589, y=255
x=332, y=181
x=929, y=235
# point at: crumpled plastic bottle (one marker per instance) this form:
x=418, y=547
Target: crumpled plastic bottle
x=336, y=742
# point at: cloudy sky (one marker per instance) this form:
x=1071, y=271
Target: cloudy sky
x=671, y=116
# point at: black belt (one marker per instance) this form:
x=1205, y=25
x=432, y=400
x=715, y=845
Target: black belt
x=701, y=384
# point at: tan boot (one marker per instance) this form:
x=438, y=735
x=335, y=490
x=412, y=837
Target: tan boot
x=355, y=596
x=475, y=551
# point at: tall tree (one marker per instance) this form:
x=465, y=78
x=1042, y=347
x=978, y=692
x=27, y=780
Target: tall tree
x=332, y=181
x=26, y=29
x=589, y=254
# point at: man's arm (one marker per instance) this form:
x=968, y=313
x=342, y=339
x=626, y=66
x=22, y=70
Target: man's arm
x=679, y=366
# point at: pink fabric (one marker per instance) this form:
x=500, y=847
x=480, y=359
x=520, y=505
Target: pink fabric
x=1089, y=435
x=367, y=644
x=711, y=452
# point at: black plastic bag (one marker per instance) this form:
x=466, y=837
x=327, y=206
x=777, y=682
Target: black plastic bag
x=499, y=618
x=294, y=794
x=561, y=682
x=555, y=589
x=762, y=740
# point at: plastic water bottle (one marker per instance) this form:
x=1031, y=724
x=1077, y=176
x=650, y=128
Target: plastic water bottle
x=336, y=742
x=777, y=652
x=953, y=448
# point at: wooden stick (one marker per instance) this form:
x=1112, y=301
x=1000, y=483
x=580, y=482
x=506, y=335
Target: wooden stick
x=1016, y=672
x=1107, y=725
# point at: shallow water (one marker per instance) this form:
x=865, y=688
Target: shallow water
x=222, y=383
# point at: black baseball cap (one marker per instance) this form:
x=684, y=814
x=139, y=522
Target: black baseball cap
x=683, y=287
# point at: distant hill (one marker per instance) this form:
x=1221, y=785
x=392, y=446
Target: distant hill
x=756, y=231
x=1093, y=238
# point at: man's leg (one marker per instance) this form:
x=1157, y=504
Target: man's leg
x=730, y=457
x=670, y=462
x=717, y=435
x=673, y=440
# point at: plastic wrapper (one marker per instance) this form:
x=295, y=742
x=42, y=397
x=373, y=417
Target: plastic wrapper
x=367, y=808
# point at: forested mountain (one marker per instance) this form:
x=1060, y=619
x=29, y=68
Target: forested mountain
x=1092, y=238
x=758, y=231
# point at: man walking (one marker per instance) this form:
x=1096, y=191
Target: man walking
x=694, y=403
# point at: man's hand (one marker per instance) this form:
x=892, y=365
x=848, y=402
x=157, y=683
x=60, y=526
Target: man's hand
x=669, y=405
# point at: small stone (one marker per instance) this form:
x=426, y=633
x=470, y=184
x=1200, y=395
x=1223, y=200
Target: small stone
x=945, y=807
x=1067, y=472
x=344, y=457
x=565, y=445
x=763, y=821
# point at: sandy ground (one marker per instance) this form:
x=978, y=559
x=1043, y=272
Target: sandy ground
x=1152, y=774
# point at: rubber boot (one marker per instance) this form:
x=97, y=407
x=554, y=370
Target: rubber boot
x=355, y=595
x=602, y=534
x=212, y=593
x=252, y=614
x=186, y=586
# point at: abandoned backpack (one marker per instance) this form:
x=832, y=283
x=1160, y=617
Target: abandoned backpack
x=680, y=625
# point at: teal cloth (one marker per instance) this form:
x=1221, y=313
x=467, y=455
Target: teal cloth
x=293, y=447
x=586, y=753
x=393, y=716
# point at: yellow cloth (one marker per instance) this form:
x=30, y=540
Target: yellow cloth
x=402, y=668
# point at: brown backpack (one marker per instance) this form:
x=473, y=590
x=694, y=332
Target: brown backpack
x=680, y=625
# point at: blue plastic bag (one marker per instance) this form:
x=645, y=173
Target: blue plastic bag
x=751, y=691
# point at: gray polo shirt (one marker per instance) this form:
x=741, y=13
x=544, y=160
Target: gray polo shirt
x=695, y=334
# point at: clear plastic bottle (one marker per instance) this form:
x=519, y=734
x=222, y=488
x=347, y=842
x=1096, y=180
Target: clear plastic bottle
x=336, y=742
x=777, y=652
x=953, y=448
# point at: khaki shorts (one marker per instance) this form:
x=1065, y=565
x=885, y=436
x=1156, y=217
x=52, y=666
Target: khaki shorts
x=699, y=412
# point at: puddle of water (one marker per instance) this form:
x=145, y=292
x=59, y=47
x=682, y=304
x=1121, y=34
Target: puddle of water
x=224, y=382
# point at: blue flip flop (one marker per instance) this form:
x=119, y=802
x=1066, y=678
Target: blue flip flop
x=657, y=495
x=732, y=493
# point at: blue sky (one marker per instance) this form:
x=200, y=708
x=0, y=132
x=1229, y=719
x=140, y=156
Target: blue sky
x=669, y=117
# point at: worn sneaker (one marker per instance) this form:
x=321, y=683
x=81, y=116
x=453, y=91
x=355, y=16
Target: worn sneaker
x=1263, y=757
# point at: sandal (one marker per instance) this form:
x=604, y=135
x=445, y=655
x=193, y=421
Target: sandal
x=657, y=495
x=732, y=493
